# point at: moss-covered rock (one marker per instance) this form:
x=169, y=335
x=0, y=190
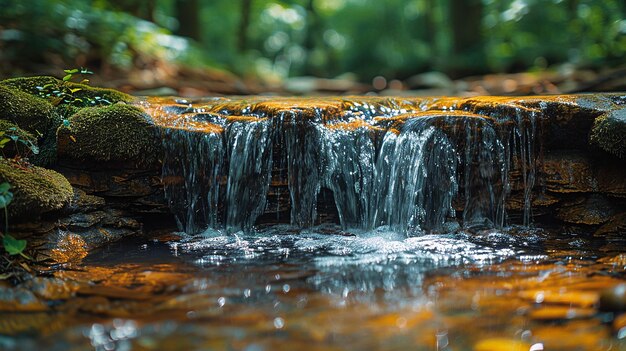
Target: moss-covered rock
x=35, y=190
x=119, y=134
x=20, y=143
x=29, y=112
x=609, y=132
x=89, y=94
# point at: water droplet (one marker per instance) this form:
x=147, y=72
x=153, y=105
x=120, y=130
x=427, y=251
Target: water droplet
x=279, y=323
x=221, y=301
x=539, y=297
x=286, y=288
x=246, y=293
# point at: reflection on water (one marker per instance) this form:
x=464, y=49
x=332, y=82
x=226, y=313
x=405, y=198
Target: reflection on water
x=329, y=289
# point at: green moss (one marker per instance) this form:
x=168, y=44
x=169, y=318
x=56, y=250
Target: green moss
x=609, y=133
x=29, y=84
x=19, y=147
x=30, y=113
x=120, y=134
x=88, y=93
x=35, y=190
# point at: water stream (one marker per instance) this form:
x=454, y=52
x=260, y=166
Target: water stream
x=337, y=224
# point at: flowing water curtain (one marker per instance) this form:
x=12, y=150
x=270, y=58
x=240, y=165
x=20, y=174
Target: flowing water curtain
x=415, y=178
x=302, y=143
x=525, y=135
x=249, y=150
x=349, y=156
x=484, y=168
x=192, y=165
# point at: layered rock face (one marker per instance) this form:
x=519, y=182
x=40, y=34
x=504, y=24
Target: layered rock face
x=414, y=164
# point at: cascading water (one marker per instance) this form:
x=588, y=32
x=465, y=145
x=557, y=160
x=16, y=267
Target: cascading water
x=408, y=167
x=249, y=160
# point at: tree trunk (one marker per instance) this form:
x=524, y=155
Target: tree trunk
x=310, y=40
x=187, y=14
x=244, y=24
x=467, y=44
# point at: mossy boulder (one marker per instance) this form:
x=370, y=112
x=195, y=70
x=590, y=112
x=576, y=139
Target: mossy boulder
x=120, y=135
x=19, y=142
x=35, y=190
x=33, y=85
x=30, y=113
x=609, y=133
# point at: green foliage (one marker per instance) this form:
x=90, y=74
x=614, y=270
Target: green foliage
x=67, y=93
x=12, y=134
x=394, y=38
x=72, y=30
x=11, y=245
x=6, y=196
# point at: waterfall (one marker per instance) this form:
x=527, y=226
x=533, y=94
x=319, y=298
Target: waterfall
x=408, y=167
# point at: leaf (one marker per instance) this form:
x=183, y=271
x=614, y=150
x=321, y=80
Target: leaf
x=56, y=101
x=73, y=139
x=12, y=245
x=67, y=77
x=71, y=71
x=73, y=90
x=84, y=81
x=5, y=195
x=5, y=199
x=4, y=187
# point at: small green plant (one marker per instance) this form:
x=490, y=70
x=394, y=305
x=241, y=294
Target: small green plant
x=68, y=92
x=11, y=245
x=11, y=134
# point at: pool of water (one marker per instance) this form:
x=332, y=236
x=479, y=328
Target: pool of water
x=328, y=289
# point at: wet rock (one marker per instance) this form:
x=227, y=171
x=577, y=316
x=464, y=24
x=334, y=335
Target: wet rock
x=83, y=202
x=616, y=226
x=36, y=190
x=499, y=344
x=19, y=299
x=578, y=172
x=51, y=288
x=549, y=313
x=595, y=209
x=613, y=299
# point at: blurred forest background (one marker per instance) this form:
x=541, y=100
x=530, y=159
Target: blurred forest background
x=198, y=47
